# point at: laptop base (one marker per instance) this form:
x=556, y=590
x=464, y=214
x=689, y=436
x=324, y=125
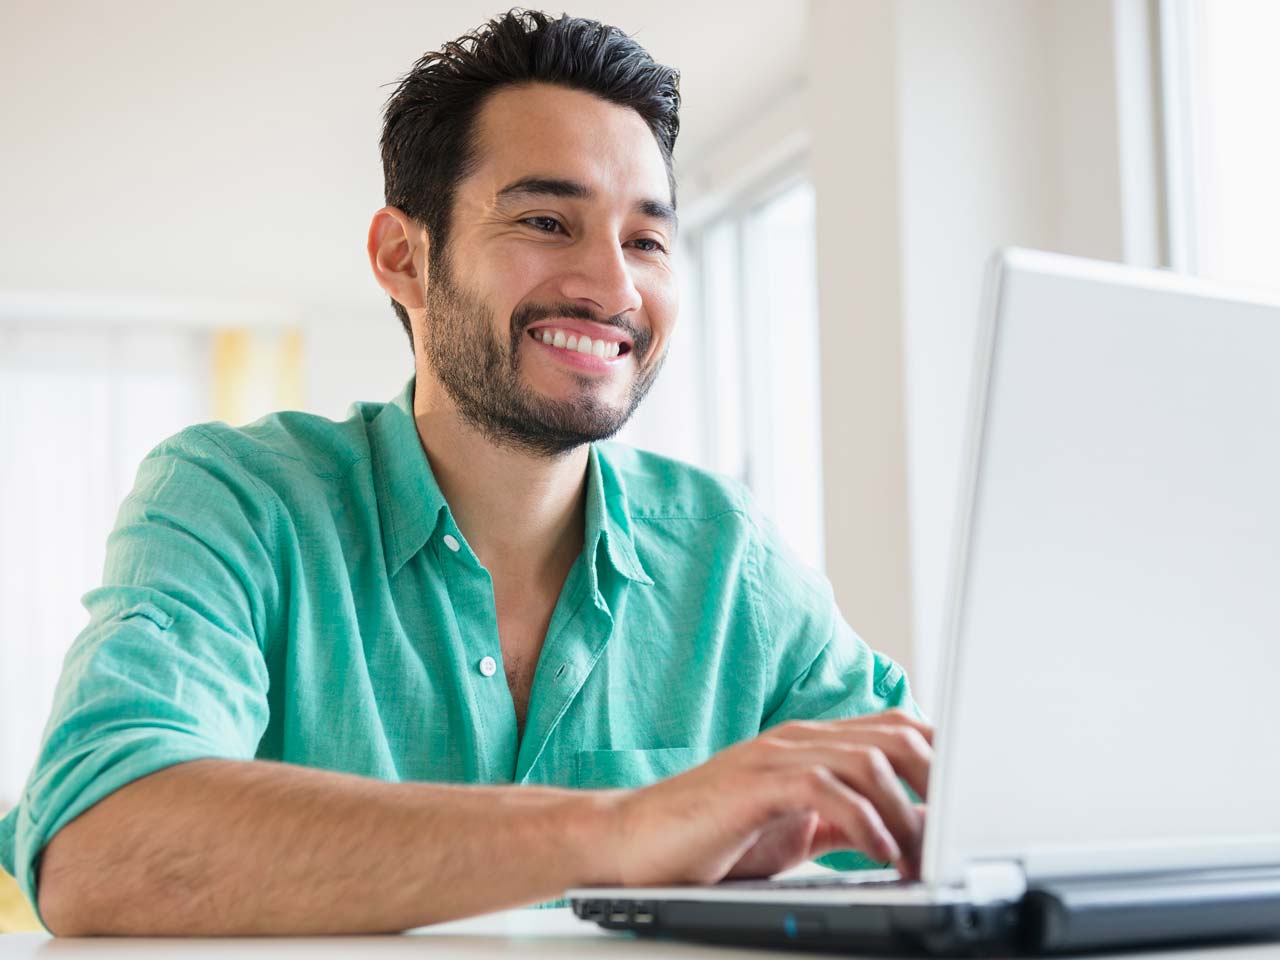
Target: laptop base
x=933, y=928
x=1054, y=916
x=1128, y=911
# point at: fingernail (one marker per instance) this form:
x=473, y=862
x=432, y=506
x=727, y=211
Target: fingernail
x=889, y=847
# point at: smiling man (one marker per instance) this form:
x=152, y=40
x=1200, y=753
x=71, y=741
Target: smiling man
x=457, y=653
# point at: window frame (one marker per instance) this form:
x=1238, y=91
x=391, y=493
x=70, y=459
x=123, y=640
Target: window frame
x=751, y=420
x=735, y=206
x=1176, y=22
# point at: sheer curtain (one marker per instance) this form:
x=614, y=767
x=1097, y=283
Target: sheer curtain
x=80, y=406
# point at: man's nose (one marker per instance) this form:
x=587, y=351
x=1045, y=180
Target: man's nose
x=600, y=273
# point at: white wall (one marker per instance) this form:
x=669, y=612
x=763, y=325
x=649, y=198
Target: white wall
x=354, y=353
x=858, y=170
x=942, y=131
x=981, y=166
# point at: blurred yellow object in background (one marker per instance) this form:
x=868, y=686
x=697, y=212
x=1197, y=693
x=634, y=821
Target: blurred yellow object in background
x=16, y=915
x=256, y=372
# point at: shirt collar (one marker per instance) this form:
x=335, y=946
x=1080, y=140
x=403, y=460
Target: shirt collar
x=410, y=503
x=411, y=506
x=609, y=517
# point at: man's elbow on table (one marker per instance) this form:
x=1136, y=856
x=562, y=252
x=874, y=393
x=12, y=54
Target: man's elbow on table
x=77, y=891
x=65, y=908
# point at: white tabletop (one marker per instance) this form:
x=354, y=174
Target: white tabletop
x=533, y=933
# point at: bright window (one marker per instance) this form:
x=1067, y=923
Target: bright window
x=79, y=409
x=82, y=401
x=756, y=307
x=1221, y=77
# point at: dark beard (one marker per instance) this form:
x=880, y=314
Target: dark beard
x=482, y=375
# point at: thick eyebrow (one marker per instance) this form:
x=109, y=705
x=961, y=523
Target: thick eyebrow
x=573, y=190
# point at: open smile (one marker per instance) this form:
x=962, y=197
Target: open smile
x=574, y=346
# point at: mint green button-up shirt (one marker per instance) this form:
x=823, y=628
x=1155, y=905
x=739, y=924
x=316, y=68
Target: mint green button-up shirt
x=297, y=590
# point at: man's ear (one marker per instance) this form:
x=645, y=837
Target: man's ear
x=398, y=255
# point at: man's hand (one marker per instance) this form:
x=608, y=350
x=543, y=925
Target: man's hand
x=793, y=793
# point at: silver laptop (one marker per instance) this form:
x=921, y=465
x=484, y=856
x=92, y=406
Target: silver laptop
x=1107, y=765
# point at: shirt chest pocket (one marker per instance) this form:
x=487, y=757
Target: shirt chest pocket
x=601, y=769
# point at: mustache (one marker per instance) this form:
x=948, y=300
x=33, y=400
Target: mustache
x=528, y=314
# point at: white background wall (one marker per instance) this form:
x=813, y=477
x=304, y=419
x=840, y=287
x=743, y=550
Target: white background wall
x=957, y=128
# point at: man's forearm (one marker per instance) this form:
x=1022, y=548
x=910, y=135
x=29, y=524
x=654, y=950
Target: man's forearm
x=222, y=847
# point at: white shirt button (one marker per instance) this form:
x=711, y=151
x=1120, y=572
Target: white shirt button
x=451, y=542
x=488, y=666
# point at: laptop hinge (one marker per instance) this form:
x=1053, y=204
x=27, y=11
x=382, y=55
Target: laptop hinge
x=995, y=880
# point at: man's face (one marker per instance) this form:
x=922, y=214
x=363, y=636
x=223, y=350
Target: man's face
x=563, y=230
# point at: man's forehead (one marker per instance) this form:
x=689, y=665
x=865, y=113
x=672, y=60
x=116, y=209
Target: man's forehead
x=543, y=135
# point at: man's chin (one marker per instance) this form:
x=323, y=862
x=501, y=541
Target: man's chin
x=579, y=399
x=587, y=426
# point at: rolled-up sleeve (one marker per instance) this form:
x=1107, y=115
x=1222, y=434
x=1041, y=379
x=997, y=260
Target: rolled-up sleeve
x=171, y=666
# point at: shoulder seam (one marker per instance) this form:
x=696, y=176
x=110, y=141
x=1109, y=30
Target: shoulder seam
x=240, y=457
x=319, y=475
x=753, y=592
x=689, y=516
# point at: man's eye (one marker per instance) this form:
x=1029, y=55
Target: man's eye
x=654, y=245
x=544, y=224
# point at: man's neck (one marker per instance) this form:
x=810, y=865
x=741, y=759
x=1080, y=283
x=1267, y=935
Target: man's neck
x=523, y=515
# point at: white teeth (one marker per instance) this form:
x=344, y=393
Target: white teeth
x=603, y=349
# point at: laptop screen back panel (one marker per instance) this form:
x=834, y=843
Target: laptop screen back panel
x=1116, y=613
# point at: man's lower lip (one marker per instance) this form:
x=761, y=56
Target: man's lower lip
x=583, y=361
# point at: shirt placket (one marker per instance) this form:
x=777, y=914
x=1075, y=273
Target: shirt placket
x=579, y=632
x=483, y=683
